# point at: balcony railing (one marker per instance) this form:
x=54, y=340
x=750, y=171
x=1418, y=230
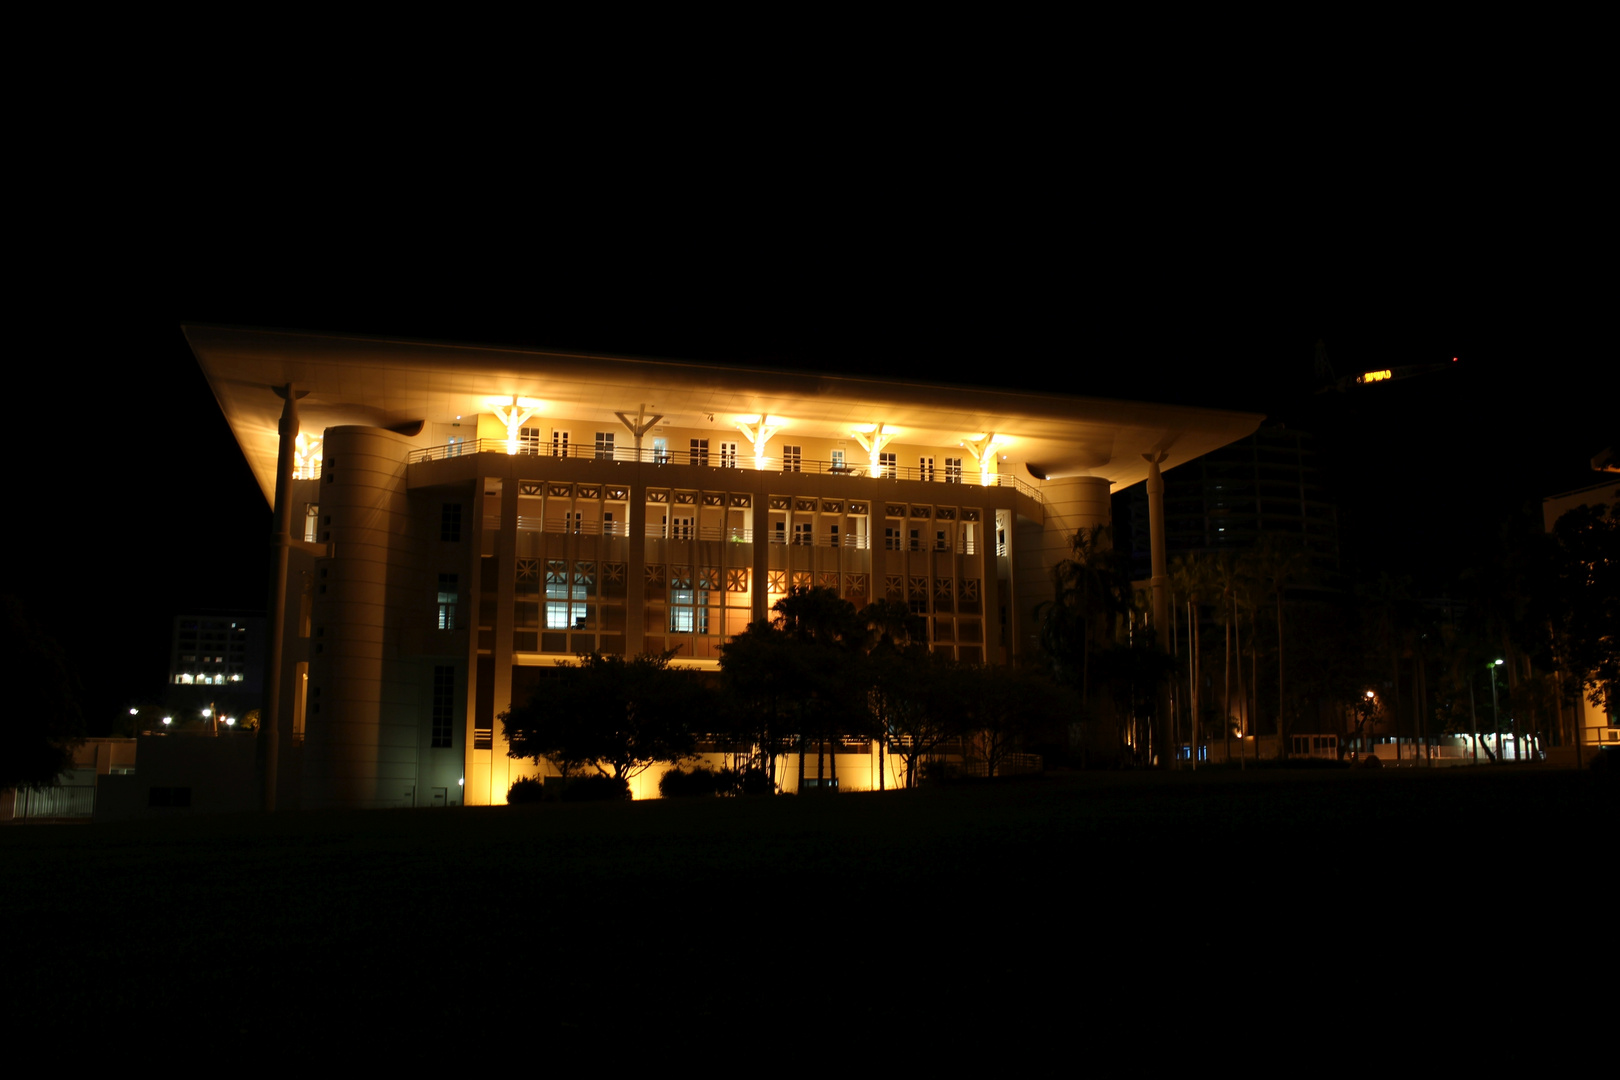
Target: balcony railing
x=708, y=459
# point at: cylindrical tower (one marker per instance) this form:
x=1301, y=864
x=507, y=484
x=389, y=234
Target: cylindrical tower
x=1071, y=503
x=362, y=715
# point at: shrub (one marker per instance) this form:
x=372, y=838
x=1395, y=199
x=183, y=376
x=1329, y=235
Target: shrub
x=528, y=789
x=757, y=782
x=596, y=788
x=699, y=783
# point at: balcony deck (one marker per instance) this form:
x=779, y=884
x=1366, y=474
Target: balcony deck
x=626, y=455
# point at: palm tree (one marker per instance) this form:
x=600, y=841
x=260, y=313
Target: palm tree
x=1089, y=594
x=1278, y=566
x=1226, y=580
x=1190, y=582
x=891, y=628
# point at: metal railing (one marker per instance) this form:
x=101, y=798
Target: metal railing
x=711, y=460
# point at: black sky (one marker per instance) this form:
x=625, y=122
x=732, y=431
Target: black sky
x=1030, y=274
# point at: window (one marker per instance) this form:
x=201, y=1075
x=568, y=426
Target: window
x=779, y=533
x=574, y=521
x=660, y=451
x=838, y=461
x=792, y=458
x=559, y=444
x=925, y=468
x=728, y=455
x=448, y=589
x=444, y=704
x=456, y=446
x=450, y=522
x=689, y=611
x=700, y=452
x=940, y=543
x=312, y=521
x=953, y=470
x=680, y=528
x=529, y=441
x=891, y=539
x=834, y=536
x=916, y=544
x=804, y=534
x=604, y=446
x=565, y=608
x=607, y=523
x=886, y=465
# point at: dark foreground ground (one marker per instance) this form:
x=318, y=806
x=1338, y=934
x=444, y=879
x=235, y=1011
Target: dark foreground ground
x=1134, y=911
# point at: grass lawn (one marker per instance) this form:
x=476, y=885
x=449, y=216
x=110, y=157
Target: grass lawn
x=1068, y=907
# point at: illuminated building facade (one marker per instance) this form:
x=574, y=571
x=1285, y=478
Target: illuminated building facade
x=457, y=518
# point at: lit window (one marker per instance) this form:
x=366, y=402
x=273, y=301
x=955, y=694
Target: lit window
x=700, y=452
x=925, y=468
x=604, y=446
x=529, y=441
x=792, y=458
x=728, y=455
x=448, y=590
x=559, y=444
x=953, y=470
x=688, y=611
x=886, y=465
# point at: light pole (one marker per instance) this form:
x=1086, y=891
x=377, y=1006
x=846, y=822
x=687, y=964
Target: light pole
x=1496, y=716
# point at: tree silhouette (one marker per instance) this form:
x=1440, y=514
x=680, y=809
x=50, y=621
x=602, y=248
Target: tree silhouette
x=1090, y=595
x=618, y=716
x=44, y=723
x=1587, y=583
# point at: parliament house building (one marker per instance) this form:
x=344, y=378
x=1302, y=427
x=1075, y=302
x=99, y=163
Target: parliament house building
x=451, y=520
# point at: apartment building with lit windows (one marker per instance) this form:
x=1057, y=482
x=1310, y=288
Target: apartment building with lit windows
x=216, y=662
x=459, y=518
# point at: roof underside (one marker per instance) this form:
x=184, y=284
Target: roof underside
x=387, y=383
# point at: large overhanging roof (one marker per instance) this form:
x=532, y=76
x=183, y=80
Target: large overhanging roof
x=392, y=383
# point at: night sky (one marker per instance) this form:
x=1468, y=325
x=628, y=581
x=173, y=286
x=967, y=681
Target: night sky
x=150, y=510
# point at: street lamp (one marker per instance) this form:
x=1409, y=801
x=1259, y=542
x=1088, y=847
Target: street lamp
x=1495, y=714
